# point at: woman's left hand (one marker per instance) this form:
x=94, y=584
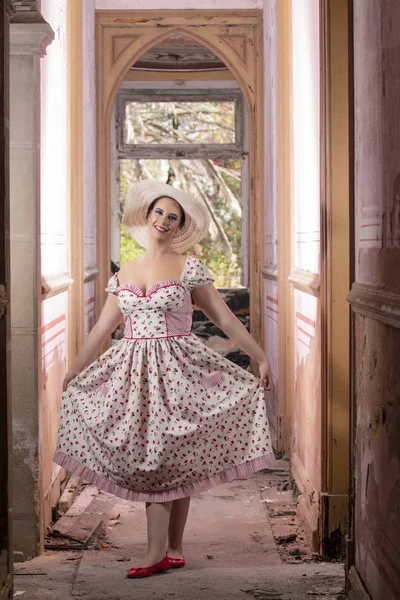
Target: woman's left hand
x=265, y=374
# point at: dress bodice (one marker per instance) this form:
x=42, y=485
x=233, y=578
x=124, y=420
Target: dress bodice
x=166, y=309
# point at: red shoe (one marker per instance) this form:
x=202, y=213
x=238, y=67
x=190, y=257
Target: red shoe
x=163, y=565
x=176, y=563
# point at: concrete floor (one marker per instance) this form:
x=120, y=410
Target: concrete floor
x=230, y=553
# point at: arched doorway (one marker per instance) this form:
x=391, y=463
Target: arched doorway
x=236, y=38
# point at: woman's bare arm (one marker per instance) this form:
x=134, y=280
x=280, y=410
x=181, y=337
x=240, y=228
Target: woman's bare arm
x=210, y=302
x=109, y=319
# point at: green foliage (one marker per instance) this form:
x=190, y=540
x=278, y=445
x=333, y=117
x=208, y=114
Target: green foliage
x=226, y=272
x=217, y=182
x=129, y=248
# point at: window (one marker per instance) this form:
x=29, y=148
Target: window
x=187, y=124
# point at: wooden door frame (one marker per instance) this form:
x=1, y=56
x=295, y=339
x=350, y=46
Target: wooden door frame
x=330, y=522
x=236, y=37
x=337, y=242
x=76, y=317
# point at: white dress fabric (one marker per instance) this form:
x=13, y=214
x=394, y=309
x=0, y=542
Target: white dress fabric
x=160, y=416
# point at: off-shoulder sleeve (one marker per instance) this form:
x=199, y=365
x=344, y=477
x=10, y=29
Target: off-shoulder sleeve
x=112, y=286
x=196, y=274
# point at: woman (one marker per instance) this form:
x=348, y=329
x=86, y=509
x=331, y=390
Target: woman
x=159, y=416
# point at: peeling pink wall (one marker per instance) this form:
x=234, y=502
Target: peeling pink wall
x=377, y=344
x=307, y=409
x=270, y=215
x=54, y=238
x=306, y=195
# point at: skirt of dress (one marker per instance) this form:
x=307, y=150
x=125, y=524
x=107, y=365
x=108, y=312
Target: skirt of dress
x=162, y=419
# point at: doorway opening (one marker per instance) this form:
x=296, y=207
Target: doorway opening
x=190, y=133
x=183, y=50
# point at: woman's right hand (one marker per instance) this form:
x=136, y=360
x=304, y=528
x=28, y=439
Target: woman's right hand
x=69, y=377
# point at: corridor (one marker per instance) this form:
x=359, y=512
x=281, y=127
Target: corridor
x=281, y=119
x=232, y=552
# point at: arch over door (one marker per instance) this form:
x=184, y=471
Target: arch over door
x=236, y=38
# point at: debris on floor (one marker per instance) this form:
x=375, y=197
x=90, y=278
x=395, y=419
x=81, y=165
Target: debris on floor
x=77, y=525
x=231, y=550
x=280, y=504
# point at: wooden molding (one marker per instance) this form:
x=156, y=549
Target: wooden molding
x=179, y=77
x=91, y=273
x=375, y=302
x=356, y=589
x=270, y=271
x=236, y=37
x=285, y=214
x=336, y=133
x=55, y=284
x=235, y=149
x=305, y=281
x=308, y=504
x=334, y=517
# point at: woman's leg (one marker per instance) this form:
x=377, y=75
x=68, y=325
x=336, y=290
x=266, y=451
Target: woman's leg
x=177, y=522
x=158, y=516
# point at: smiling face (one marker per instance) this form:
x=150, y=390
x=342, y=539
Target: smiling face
x=164, y=219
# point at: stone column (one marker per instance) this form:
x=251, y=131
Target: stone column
x=6, y=582
x=29, y=37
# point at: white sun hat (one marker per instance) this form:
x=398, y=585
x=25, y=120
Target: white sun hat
x=142, y=194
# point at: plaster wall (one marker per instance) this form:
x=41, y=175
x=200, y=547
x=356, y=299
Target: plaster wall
x=307, y=408
x=377, y=344
x=89, y=160
x=54, y=242
x=54, y=344
x=306, y=418
x=270, y=210
x=53, y=131
x=306, y=132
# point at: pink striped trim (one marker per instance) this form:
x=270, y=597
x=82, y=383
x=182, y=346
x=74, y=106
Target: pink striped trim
x=128, y=287
x=160, y=285
x=160, y=337
x=212, y=380
x=73, y=466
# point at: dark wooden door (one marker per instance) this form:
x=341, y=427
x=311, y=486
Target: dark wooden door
x=5, y=396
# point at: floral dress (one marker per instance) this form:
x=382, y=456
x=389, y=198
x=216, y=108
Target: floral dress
x=161, y=416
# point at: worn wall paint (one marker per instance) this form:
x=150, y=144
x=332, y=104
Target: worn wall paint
x=270, y=212
x=306, y=418
x=89, y=136
x=377, y=159
x=306, y=132
x=54, y=241
x=53, y=176
x=307, y=409
x=377, y=458
x=271, y=349
x=176, y=4
x=54, y=342
x=24, y=236
x=90, y=313
x=377, y=345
